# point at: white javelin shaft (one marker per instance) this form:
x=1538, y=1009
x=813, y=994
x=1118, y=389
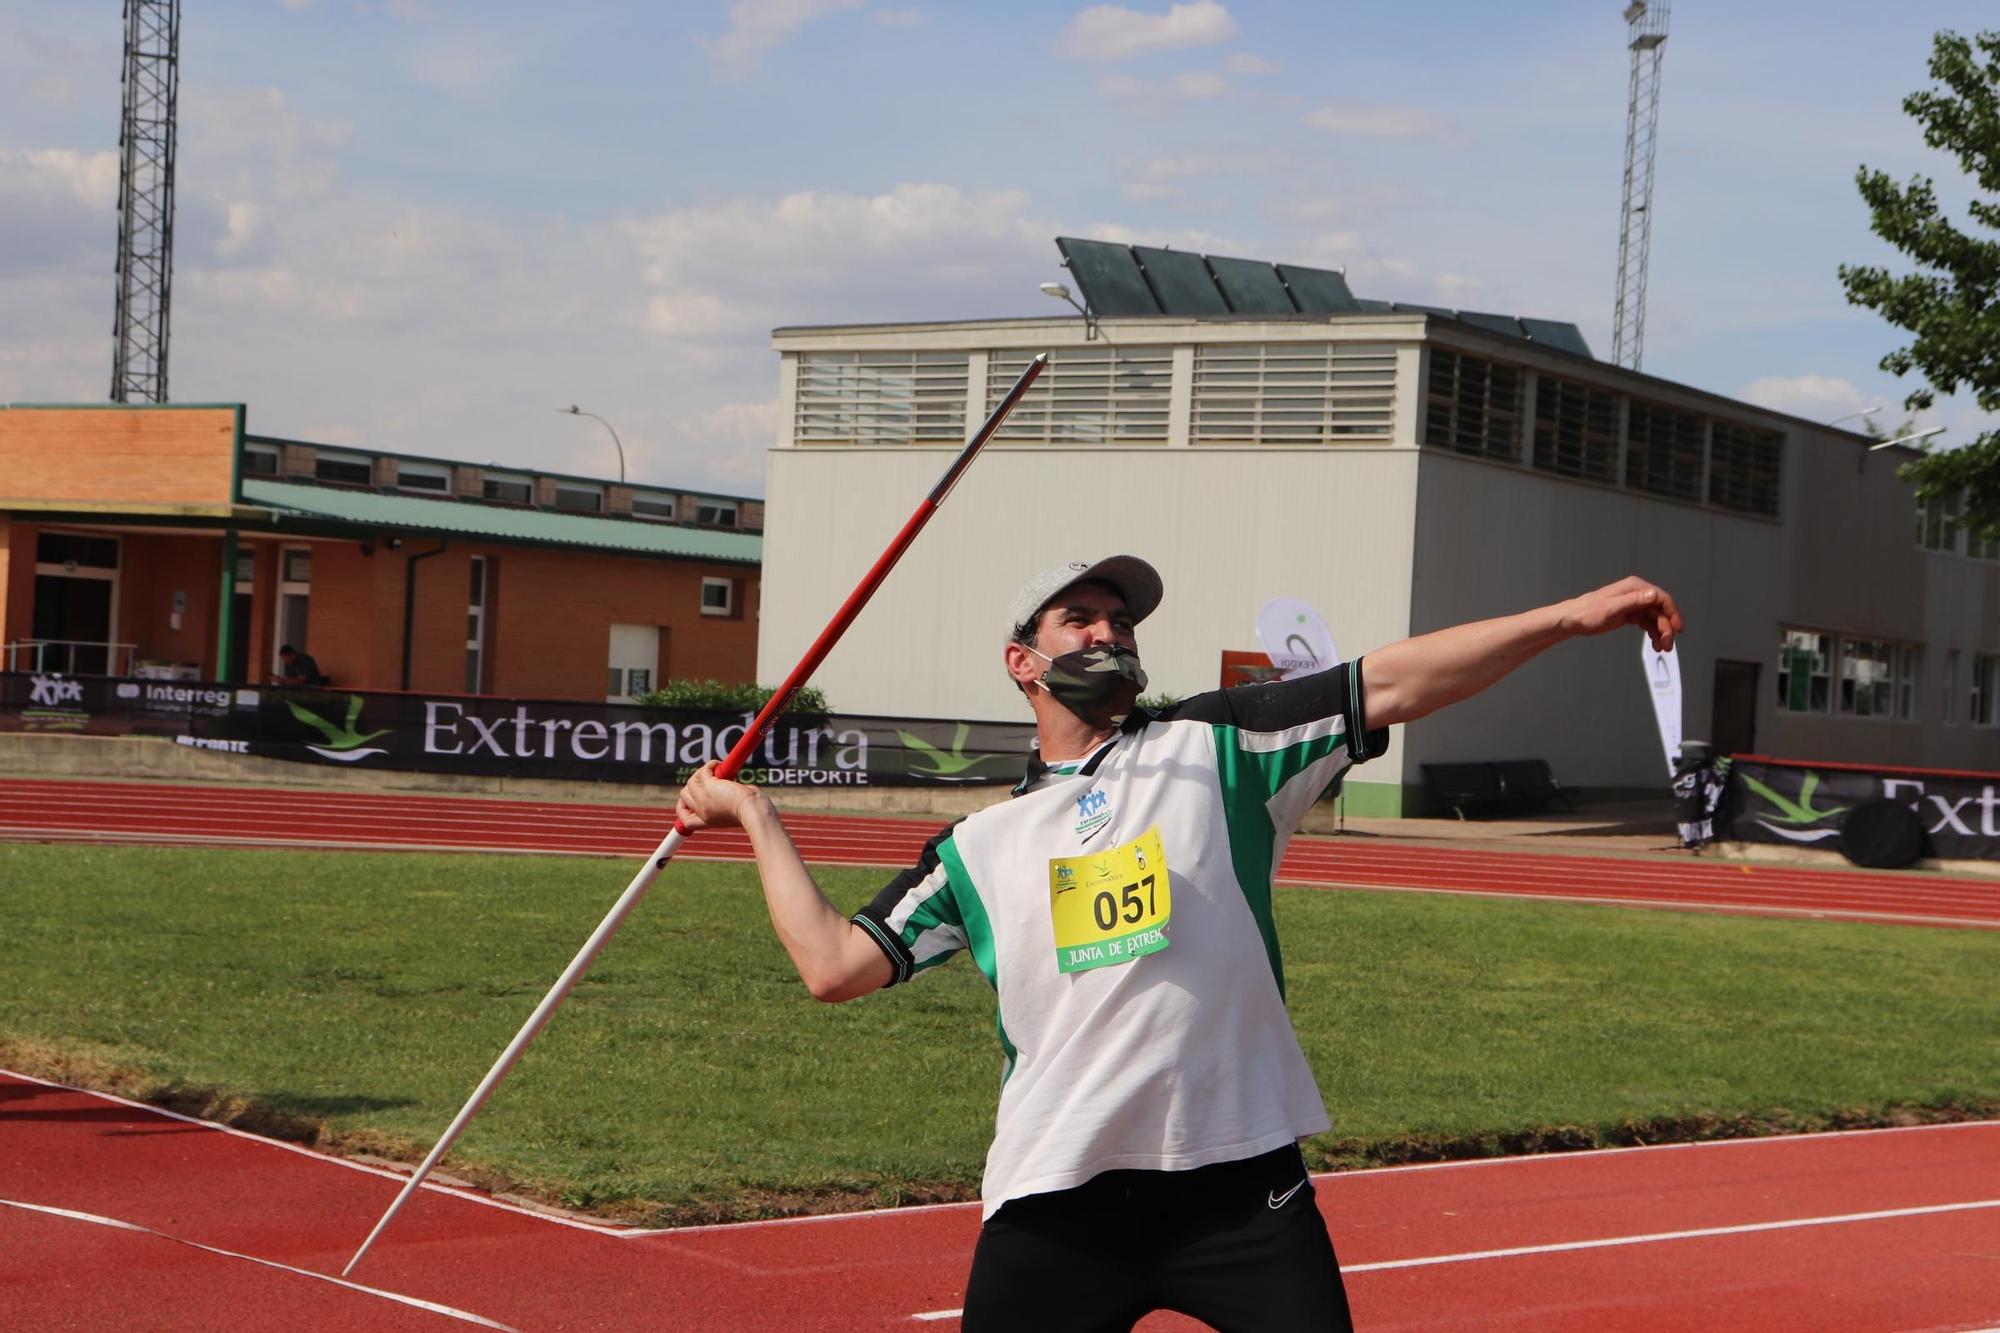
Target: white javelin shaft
x=578, y=965
x=752, y=734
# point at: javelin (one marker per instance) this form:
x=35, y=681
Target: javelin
x=727, y=769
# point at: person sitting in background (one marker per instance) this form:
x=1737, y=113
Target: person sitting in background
x=297, y=668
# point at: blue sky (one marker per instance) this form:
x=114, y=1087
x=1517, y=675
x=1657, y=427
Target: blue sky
x=423, y=225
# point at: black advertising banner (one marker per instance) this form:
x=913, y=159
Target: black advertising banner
x=516, y=737
x=1804, y=805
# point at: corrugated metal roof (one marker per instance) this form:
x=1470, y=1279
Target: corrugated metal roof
x=410, y=513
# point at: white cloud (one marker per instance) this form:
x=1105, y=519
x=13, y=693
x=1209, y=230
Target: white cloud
x=1112, y=32
x=1379, y=121
x=1190, y=87
x=1244, y=63
x=900, y=18
x=1815, y=397
x=466, y=61
x=756, y=26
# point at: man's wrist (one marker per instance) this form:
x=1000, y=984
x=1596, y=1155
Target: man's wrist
x=755, y=811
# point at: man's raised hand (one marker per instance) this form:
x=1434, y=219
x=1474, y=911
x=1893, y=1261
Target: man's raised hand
x=1630, y=601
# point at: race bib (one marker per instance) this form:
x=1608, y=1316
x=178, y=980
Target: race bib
x=1111, y=907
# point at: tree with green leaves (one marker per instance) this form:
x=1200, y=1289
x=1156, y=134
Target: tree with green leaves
x=1949, y=304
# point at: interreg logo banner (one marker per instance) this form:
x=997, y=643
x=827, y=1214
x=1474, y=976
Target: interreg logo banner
x=1806, y=804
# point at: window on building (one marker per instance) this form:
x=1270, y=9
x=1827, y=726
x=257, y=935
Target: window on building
x=1086, y=395
x=475, y=627
x=583, y=499
x=1985, y=684
x=1938, y=523
x=880, y=398
x=652, y=504
x=718, y=597
x=73, y=550
x=1805, y=671
x=1877, y=678
x=1951, y=687
x=1743, y=468
x=509, y=488
x=1473, y=406
x=1576, y=430
x=246, y=568
x=344, y=469
x=1663, y=451
x=298, y=565
x=431, y=477
x=1292, y=393
x=715, y=513
x=260, y=460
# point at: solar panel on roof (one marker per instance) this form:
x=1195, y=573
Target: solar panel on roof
x=1318, y=291
x=1556, y=333
x=1109, y=278
x=1251, y=286
x=1181, y=281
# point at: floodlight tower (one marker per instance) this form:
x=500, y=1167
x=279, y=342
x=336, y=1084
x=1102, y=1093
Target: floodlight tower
x=1647, y=23
x=151, y=81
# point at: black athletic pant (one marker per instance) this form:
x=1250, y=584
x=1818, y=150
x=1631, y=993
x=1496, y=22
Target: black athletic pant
x=1238, y=1245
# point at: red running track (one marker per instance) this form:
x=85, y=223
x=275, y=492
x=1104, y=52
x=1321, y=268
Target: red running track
x=291, y=817
x=103, y=1205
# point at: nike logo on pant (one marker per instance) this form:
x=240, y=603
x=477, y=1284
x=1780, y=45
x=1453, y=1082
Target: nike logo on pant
x=1278, y=1200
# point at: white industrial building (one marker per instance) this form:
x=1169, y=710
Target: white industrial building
x=1399, y=468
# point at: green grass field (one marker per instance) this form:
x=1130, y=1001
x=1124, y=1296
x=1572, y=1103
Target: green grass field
x=358, y=997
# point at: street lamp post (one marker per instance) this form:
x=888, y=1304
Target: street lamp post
x=575, y=411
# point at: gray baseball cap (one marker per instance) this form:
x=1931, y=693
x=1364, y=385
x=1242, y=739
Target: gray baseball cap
x=1136, y=581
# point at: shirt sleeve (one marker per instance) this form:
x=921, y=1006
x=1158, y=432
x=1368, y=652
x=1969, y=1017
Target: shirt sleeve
x=1281, y=744
x=1283, y=705
x=915, y=919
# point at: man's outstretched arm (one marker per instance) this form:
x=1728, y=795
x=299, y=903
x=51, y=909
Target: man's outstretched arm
x=836, y=958
x=1420, y=675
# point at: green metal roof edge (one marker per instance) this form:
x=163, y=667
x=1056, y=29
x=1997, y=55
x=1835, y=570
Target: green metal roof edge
x=532, y=526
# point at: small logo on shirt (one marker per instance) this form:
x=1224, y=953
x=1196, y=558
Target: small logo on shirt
x=1093, y=812
x=1278, y=1200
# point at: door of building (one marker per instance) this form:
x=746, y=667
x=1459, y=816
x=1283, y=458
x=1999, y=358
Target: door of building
x=1734, y=716
x=76, y=604
x=635, y=662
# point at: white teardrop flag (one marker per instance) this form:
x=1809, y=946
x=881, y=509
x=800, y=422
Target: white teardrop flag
x=1295, y=638
x=1663, y=681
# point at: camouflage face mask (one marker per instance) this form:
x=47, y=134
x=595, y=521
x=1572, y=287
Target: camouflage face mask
x=1099, y=685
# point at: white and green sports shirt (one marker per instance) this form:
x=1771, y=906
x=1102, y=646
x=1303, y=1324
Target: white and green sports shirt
x=1141, y=1015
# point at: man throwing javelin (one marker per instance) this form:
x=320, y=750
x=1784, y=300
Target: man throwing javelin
x=1145, y=1149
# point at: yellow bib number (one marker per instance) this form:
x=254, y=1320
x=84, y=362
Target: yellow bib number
x=1111, y=907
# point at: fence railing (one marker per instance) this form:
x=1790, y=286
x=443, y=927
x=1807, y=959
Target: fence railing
x=72, y=657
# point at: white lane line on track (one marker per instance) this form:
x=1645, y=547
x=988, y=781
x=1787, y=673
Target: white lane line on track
x=1608, y=1242
x=1582, y=1159
x=118, y=1224
x=469, y=1196
x=641, y=1233
x=1651, y=1238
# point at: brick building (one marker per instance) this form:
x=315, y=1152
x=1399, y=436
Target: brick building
x=164, y=541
